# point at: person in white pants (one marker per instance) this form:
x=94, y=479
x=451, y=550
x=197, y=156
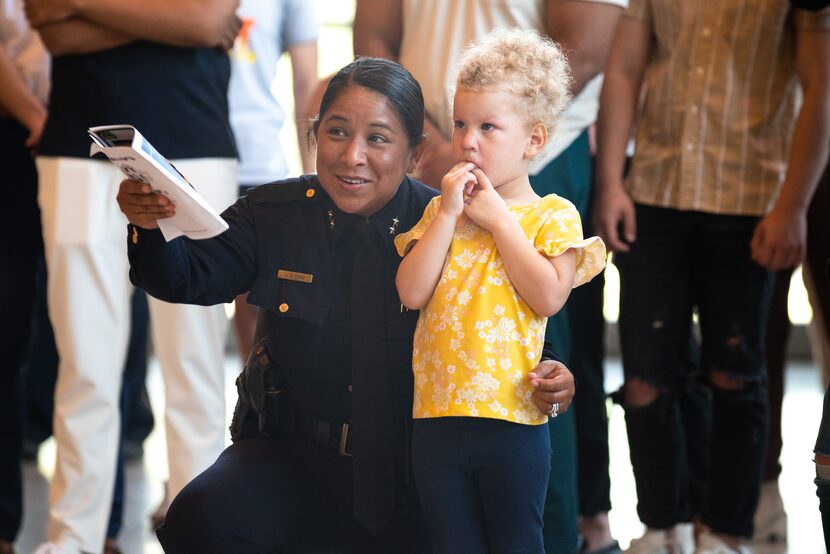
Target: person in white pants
x=89, y=291
x=154, y=65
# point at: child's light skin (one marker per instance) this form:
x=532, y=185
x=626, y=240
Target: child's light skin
x=493, y=145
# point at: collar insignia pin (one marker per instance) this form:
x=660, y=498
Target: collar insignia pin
x=331, y=219
x=394, y=226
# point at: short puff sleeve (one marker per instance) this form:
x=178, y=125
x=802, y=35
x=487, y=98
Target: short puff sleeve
x=405, y=241
x=562, y=231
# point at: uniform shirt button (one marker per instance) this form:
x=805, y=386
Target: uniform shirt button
x=283, y=308
x=309, y=193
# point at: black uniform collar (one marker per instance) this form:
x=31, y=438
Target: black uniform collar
x=386, y=220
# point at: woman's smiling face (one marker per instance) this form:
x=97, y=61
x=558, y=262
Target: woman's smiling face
x=363, y=152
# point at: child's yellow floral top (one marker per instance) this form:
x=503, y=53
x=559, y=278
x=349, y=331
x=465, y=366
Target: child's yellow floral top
x=476, y=339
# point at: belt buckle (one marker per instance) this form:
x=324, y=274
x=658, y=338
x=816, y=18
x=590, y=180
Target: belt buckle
x=344, y=441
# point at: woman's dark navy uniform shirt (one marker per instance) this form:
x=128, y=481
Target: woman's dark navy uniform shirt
x=293, y=249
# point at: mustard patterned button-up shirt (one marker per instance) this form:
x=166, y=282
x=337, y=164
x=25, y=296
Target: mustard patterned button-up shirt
x=722, y=96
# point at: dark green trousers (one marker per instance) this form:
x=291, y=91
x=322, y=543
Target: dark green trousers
x=569, y=176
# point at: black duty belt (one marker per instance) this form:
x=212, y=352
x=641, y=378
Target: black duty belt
x=328, y=434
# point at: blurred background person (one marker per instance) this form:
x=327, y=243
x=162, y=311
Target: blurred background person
x=725, y=164
x=24, y=84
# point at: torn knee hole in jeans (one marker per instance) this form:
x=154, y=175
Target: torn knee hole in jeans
x=735, y=342
x=637, y=393
x=724, y=381
x=660, y=319
x=822, y=467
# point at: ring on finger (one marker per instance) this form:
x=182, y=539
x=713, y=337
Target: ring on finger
x=554, y=409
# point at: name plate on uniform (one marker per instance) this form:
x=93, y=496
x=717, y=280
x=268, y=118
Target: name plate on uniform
x=294, y=276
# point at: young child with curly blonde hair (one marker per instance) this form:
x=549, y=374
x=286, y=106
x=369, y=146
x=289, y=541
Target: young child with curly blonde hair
x=486, y=265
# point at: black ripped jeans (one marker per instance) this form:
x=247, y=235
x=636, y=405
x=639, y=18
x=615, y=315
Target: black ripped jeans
x=684, y=261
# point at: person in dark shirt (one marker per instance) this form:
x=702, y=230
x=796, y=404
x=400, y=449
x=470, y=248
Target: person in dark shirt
x=317, y=255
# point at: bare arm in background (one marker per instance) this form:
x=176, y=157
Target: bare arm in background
x=585, y=31
x=78, y=36
x=378, y=28
x=780, y=238
x=618, y=104
x=186, y=23
x=18, y=101
x=304, y=71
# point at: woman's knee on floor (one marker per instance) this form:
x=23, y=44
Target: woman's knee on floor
x=194, y=520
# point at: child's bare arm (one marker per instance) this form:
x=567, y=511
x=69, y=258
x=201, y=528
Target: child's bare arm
x=543, y=283
x=421, y=268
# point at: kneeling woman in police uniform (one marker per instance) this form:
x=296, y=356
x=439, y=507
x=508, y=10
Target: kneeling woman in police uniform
x=321, y=432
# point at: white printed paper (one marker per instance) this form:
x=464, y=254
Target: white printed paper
x=139, y=161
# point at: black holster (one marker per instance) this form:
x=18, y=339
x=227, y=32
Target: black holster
x=261, y=390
